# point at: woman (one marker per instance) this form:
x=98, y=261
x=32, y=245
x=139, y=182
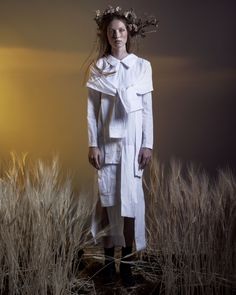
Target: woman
x=120, y=132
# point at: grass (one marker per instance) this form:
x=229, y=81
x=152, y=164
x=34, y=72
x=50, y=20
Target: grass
x=191, y=225
x=44, y=229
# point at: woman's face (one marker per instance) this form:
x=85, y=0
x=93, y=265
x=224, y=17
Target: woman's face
x=117, y=34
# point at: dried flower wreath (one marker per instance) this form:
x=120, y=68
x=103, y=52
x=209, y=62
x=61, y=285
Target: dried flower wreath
x=136, y=26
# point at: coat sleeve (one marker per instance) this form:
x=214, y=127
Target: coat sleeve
x=147, y=128
x=93, y=107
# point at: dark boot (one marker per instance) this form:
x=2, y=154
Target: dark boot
x=78, y=263
x=125, y=268
x=109, y=270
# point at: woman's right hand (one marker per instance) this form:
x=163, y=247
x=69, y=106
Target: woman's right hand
x=94, y=157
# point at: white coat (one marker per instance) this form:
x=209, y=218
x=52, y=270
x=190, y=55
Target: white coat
x=120, y=123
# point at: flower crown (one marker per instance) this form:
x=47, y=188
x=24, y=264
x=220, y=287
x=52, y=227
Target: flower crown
x=136, y=26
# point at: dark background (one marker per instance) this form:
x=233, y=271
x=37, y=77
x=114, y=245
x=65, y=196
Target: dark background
x=43, y=103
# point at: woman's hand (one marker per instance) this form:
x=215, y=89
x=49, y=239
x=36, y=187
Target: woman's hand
x=94, y=157
x=144, y=157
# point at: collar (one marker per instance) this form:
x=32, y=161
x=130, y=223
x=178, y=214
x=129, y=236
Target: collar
x=128, y=61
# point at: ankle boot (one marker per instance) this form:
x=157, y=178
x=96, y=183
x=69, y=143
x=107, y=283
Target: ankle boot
x=125, y=268
x=109, y=270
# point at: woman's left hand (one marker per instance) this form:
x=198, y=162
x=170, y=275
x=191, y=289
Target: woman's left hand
x=144, y=157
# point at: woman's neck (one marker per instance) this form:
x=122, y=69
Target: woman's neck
x=119, y=53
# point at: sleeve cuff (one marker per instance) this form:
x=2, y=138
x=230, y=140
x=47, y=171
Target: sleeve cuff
x=92, y=144
x=147, y=145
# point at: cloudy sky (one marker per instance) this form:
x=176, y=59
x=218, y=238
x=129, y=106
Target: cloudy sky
x=43, y=45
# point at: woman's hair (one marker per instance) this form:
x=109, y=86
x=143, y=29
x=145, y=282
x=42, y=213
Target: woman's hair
x=104, y=48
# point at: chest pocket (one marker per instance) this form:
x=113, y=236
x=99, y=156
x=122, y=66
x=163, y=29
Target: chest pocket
x=131, y=99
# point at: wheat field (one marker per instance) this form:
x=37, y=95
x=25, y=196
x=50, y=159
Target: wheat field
x=44, y=231
x=191, y=225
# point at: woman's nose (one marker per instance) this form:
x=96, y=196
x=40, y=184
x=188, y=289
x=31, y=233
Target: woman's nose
x=115, y=34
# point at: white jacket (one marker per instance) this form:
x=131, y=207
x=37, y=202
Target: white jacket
x=114, y=100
